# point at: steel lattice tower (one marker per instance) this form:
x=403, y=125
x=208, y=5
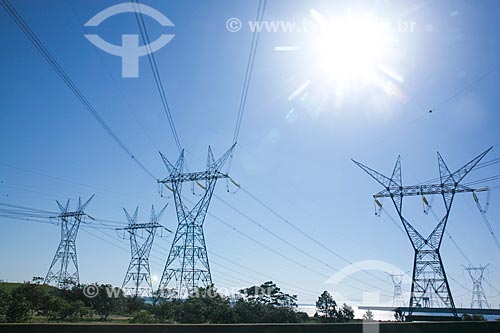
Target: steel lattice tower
x=429, y=282
x=397, y=281
x=138, y=272
x=63, y=271
x=187, y=263
x=479, y=300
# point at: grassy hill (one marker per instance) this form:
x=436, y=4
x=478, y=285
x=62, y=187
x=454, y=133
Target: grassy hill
x=8, y=287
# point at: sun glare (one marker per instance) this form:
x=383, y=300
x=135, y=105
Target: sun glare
x=350, y=48
x=348, y=55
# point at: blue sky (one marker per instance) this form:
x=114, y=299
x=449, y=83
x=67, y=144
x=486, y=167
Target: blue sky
x=293, y=154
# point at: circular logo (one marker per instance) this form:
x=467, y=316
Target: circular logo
x=91, y=290
x=233, y=24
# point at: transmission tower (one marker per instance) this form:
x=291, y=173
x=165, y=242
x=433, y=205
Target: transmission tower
x=63, y=271
x=479, y=300
x=429, y=278
x=187, y=265
x=397, y=298
x=141, y=237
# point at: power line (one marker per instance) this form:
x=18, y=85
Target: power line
x=289, y=243
x=248, y=76
x=302, y=232
x=27, y=208
x=479, y=166
x=110, y=224
x=74, y=88
x=12, y=12
x=154, y=68
x=487, y=222
x=467, y=87
x=288, y=258
x=65, y=180
x=115, y=83
x=212, y=253
x=114, y=241
x=450, y=237
x=28, y=218
x=258, y=273
x=249, y=69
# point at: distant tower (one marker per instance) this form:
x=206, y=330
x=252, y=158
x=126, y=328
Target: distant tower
x=397, y=281
x=138, y=273
x=63, y=271
x=479, y=300
x=187, y=266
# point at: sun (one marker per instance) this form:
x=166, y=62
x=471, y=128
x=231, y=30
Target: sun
x=350, y=48
x=345, y=57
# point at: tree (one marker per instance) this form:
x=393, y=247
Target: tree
x=37, y=279
x=134, y=304
x=167, y=311
x=302, y=317
x=32, y=293
x=4, y=305
x=206, y=305
x=18, y=310
x=269, y=293
x=475, y=317
x=105, y=303
x=143, y=317
x=368, y=316
x=399, y=315
x=327, y=306
x=60, y=308
x=266, y=304
x=246, y=311
x=345, y=314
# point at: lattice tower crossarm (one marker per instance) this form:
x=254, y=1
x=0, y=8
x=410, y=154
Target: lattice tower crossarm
x=187, y=266
x=63, y=271
x=137, y=281
x=429, y=281
x=479, y=299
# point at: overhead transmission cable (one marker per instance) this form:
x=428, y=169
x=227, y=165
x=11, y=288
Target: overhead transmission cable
x=307, y=254
x=246, y=84
x=12, y=12
x=155, y=258
x=248, y=77
x=115, y=83
x=306, y=235
x=286, y=257
x=24, y=215
x=66, y=79
x=156, y=73
x=467, y=87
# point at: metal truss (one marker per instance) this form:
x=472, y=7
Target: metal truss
x=187, y=266
x=430, y=287
x=137, y=281
x=479, y=300
x=63, y=271
x=397, y=281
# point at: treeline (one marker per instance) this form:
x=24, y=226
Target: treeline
x=37, y=302
x=266, y=303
